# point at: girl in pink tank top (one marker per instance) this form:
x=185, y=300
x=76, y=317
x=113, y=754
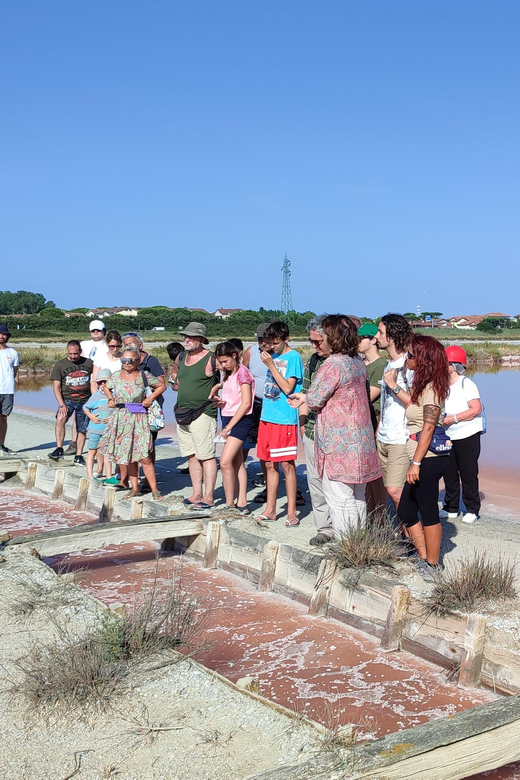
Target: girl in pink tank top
x=236, y=405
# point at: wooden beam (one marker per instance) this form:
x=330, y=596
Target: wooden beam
x=211, y=549
x=452, y=748
x=474, y=640
x=137, y=508
x=82, y=496
x=395, y=619
x=91, y=537
x=268, y=565
x=324, y=580
x=10, y=465
x=30, y=476
x=59, y=479
x=107, y=510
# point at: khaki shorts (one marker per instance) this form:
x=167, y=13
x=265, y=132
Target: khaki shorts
x=395, y=463
x=197, y=438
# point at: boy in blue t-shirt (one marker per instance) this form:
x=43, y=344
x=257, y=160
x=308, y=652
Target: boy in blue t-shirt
x=98, y=413
x=278, y=429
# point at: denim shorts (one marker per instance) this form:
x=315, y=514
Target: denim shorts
x=241, y=429
x=76, y=407
x=6, y=404
x=93, y=440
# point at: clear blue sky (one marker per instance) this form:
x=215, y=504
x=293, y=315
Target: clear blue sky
x=172, y=152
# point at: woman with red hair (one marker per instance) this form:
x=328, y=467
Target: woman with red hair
x=431, y=385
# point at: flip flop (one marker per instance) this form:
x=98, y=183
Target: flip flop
x=300, y=501
x=187, y=502
x=292, y=522
x=201, y=505
x=261, y=498
x=263, y=520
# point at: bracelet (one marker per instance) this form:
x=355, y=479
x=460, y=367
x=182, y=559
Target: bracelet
x=414, y=463
x=455, y=419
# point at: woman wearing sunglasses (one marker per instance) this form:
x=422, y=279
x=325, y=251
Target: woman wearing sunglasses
x=127, y=440
x=430, y=388
x=110, y=360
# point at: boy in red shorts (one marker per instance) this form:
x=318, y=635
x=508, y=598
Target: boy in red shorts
x=278, y=429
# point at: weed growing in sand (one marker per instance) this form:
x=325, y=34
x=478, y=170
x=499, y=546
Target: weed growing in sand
x=88, y=669
x=471, y=582
x=362, y=547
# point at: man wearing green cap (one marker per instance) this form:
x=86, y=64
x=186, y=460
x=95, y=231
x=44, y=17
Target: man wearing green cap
x=196, y=415
x=375, y=364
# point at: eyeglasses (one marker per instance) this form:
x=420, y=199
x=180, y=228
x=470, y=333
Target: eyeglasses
x=410, y=356
x=101, y=381
x=128, y=360
x=316, y=342
x=114, y=346
x=96, y=330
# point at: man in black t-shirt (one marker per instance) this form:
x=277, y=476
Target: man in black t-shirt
x=71, y=385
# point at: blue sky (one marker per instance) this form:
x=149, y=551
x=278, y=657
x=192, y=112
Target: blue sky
x=173, y=152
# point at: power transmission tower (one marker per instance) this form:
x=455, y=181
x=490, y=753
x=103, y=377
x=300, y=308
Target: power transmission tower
x=287, y=304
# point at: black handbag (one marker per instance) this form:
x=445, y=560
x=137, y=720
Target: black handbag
x=187, y=416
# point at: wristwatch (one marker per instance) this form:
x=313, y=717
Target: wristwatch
x=396, y=389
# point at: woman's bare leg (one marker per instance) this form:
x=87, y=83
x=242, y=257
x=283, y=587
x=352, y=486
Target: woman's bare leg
x=231, y=449
x=433, y=539
x=149, y=472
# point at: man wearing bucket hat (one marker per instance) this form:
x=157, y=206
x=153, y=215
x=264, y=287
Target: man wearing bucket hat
x=9, y=362
x=196, y=415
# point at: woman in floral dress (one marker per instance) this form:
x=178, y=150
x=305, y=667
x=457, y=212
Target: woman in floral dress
x=127, y=439
x=345, y=451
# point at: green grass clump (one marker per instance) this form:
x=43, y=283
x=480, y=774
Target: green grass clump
x=471, y=582
x=375, y=544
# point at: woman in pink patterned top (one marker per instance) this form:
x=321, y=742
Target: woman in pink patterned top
x=236, y=406
x=345, y=451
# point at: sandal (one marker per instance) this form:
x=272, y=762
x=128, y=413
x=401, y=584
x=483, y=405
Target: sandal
x=132, y=494
x=261, y=498
x=263, y=520
x=292, y=522
x=300, y=501
x=157, y=495
x=244, y=510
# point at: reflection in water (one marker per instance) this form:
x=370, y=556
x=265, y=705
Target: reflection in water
x=29, y=383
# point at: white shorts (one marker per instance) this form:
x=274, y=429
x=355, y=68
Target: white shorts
x=197, y=438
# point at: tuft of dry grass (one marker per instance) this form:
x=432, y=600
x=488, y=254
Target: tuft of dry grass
x=471, y=582
x=375, y=544
x=89, y=670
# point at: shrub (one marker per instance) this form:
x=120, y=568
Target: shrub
x=89, y=670
x=375, y=544
x=472, y=581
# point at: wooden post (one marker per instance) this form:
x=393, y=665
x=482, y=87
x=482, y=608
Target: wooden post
x=395, y=619
x=320, y=595
x=82, y=496
x=107, y=510
x=212, y=540
x=268, y=568
x=57, y=490
x=30, y=476
x=137, y=509
x=474, y=639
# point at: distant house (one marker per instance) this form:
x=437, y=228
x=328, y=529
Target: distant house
x=125, y=311
x=74, y=314
x=466, y=322
x=202, y=311
x=223, y=314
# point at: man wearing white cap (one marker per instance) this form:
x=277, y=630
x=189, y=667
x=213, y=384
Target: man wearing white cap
x=96, y=345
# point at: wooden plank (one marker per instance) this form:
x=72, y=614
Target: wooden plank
x=211, y=549
x=474, y=640
x=91, y=537
x=57, y=490
x=396, y=619
x=267, y=571
x=453, y=748
x=82, y=496
x=107, y=510
x=30, y=476
x=10, y=465
x=321, y=593
x=137, y=508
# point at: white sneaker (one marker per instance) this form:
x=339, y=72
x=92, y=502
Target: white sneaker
x=448, y=515
x=469, y=517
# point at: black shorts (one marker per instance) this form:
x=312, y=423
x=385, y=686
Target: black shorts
x=252, y=439
x=6, y=403
x=241, y=429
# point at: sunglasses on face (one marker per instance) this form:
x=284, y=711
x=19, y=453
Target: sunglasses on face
x=316, y=342
x=114, y=346
x=96, y=330
x=128, y=360
x=410, y=356
x=101, y=382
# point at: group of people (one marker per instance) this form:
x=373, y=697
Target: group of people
x=375, y=430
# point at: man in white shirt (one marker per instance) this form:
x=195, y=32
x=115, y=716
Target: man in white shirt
x=394, y=334
x=9, y=362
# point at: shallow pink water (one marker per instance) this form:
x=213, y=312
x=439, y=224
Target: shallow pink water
x=333, y=673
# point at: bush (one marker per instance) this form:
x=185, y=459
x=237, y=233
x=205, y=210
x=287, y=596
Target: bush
x=89, y=670
x=375, y=544
x=471, y=582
